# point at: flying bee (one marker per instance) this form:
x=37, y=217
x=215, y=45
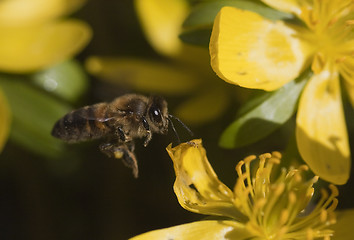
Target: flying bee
x=119, y=123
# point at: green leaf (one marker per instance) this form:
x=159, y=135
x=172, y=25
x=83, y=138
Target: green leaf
x=34, y=113
x=264, y=114
x=199, y=37
x=66, y=80
x=203, y=14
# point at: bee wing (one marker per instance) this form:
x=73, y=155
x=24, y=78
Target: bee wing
x=97, y=119
x=83, y=124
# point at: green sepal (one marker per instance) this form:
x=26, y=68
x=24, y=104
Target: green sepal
x=264, y=114
x=34, y=113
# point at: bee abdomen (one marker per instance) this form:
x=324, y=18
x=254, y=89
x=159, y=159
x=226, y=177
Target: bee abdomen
x=82, y=124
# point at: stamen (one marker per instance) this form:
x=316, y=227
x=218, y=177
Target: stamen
x=334, y=190
x=276, y=155
x=272, y=208
x=349, y=23
x=309, y=234
x=303, y=168
x=284, y=216
x=323, y=216
x=238, y=168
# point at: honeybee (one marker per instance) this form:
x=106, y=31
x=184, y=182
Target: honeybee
x=119, y=122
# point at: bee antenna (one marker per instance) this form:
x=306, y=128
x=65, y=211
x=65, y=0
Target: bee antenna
x=174, y=130
x=184, y=125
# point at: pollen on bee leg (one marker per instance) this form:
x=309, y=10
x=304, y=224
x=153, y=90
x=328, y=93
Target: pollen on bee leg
x=118, y=154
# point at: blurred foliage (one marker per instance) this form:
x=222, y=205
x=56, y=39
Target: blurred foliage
x=5, y=119
x=54, y=190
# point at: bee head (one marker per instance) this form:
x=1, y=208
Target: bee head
x=158, y=115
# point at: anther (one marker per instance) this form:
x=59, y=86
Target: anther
x=323, y=216
x=303, y=168
x=260, y=203
x=292, y=197
x=274, y=160
x=279, y=189
x=349, y=22
x=333, y=205
x=315, y=179
x=297, y=177
x=249, y=158
x=324, y=193
x=265, y=156
x=309, y=234
x=334, y=190
x=284, y=216
x=239, y=167
x=276, y=154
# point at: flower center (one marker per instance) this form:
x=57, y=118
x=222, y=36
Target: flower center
x=330, y=22
x=273, y=207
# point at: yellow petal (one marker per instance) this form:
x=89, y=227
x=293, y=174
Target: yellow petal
x=143, y=75
x=29, y=12
x=343, y=229
x=5, y=119
x=291, y=6
x=161, y=21
x=252, y=52
x=204, y=107
x=25, y=49
x=197, y=187
x=203, y=230
x=321, y=132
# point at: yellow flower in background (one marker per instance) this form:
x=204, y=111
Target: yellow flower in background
x=253, y=52
x=158, y=19
x=263, y=204
x=34, y=36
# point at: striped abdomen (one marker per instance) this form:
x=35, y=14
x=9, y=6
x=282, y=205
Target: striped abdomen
x=83, y=124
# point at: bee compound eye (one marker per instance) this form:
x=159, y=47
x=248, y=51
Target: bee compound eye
x=155, y=115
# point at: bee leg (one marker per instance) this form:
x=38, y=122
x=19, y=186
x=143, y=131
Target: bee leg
x=107, y=148
x=131, y=145
x=120, y=133
x=129, y=159
x=123, y=152
x=148, y=131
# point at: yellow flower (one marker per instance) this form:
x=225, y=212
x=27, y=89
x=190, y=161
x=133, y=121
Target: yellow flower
x=262, y=205
x=253, y=52
x=34, y=36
